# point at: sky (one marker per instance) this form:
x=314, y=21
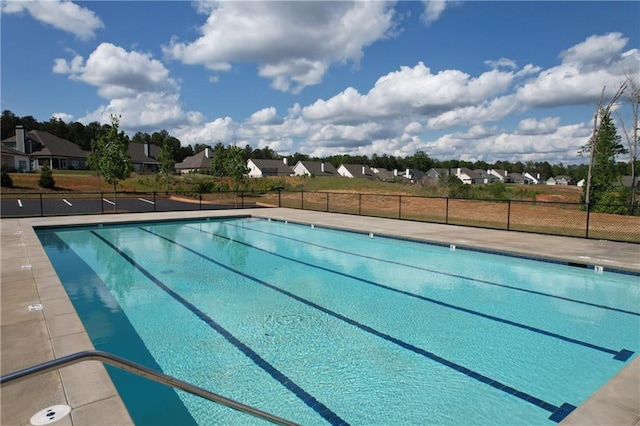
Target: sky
x=474, y=80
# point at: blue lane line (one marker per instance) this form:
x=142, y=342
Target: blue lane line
x=556, y=411
x=621, y=355
x=539, y=293
x=307, y=398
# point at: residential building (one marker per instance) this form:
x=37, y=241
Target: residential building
x=356, y=171
x=144, y=156
x=262, y=168
x=559, y=180
x=382, y=173
x=519, y=179
x=467, y=176
x=503, y=175
x=40, y=148
x=534, y=178
x=314, y=168
x=14, y=159
x=485, y=177
x=195, y=163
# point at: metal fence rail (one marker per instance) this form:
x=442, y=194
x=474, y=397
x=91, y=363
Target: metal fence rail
x=544, y=217
x=142, y=371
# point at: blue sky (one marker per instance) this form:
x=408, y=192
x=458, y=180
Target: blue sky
x=476, y=80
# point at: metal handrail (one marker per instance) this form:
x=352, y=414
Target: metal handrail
x=140, y=370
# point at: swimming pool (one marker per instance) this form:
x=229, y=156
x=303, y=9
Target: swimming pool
x=319, y=326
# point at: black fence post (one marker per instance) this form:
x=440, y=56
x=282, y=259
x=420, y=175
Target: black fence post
x=399, y=206
x=359, y=204
x=41, y=208
x=588, y=214
x=446, y=211
x=302, y=200
x=327, y=202
x=279, y=198
x=154, y=201
x=200, y=200
x=242, y=199
x=101, y=203
x=508, y=214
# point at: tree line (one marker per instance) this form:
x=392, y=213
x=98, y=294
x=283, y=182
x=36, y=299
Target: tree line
x=230, y=159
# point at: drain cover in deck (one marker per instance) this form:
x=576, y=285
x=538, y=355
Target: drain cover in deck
x=50, y=415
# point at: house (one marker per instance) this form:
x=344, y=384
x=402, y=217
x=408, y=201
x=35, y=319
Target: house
x=503, y=175
x=467, y=176
x=144, y=156
x=263, y=168
x=519, y=179
x=559, y=180
x=14, y=159
x=382, y=173
x=195, y=163
x=485, y=177
x=41, y=147
x=435, y=174
x=414, y=175
x=314, y=168
x=356, y=171
x=534, y=178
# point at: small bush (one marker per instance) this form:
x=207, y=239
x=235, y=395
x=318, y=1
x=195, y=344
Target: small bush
x=7, y=182
x=46, y=178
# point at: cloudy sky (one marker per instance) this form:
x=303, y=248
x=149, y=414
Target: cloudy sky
x=474, y=80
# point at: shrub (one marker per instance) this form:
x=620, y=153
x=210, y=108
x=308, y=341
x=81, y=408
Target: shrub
x=46, y=178
x=7, y=182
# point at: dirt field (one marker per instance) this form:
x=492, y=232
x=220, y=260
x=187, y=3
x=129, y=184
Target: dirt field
x=550, y=209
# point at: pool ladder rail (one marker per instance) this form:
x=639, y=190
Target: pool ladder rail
x=140, y=370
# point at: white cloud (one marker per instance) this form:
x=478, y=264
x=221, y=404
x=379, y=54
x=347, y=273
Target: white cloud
x=137, y=86
x=67, y=118
x=531, y=126
x=61, y=14
x=433, y=9
x=502, y=63
x=268, y=116
x=293, y=43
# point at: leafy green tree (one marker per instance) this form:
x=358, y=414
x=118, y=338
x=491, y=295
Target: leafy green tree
x=111, y=155
x=219, y=160
x=5, y=179
x=236, y=165
x=167, y=164
x=46, y=178
x=605, y=176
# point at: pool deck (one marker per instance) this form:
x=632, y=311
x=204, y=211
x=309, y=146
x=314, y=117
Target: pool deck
x=31, y=337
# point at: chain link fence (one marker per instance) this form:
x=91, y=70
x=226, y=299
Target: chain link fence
x=554, y=218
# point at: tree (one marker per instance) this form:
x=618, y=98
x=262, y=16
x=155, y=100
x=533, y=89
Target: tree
x=605, y=176
x=166, y=161
x=591, y=146
x=5, y=179
x=219, y=160
x=236, y=165
x=46, y=178
x=111, y=155
x=631, y=134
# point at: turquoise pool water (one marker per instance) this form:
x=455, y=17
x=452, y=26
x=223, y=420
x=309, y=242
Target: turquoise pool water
x=323, y=326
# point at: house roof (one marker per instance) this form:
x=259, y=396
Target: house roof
x=315, y=168
x=382, y=173
x=136, y=152
x=468, y=172
x=356, y=170
x=7, y=150
x=275, y=165
x=198, y=161
x=484, y=175
x=51, y=145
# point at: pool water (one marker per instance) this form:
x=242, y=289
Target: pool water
x=324, y=326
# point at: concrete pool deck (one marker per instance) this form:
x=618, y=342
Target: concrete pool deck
x=31, y=337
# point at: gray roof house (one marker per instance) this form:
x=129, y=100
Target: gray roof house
x=263, y=168
x=436, y=174
x=356, y=171
x=559, y=180
x=519, y=179
x=467, y=176
x=42, y=148
x=14, y=159
x=314, y=168
x=485, y=177
x=193, y=163
x=144, y=156
x=382, y=173
x=535, y=178
x=503, y=175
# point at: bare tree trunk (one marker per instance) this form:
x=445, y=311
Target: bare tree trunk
x=631, y=136
x=600, y=111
